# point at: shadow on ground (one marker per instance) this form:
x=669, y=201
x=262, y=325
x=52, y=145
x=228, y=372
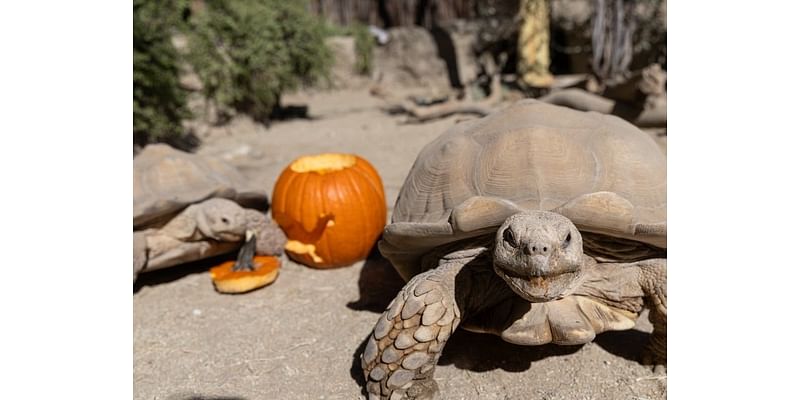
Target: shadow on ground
x=481, y=352
x=478, y=352
x=166, y=275
x=378, y=284
x=626, y=344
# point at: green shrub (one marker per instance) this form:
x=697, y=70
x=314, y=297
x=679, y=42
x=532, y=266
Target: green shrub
x=364, y=45
x=159, y=103
x=247, y=52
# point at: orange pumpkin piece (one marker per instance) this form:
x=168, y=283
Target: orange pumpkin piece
x=332, y=208
x=226, y=280
x=248, y=272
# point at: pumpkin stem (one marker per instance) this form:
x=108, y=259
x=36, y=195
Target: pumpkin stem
x=244, y=261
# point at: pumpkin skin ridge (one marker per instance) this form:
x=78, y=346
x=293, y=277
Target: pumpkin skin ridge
x=280, y=203
x=303, y=207
x=285, y=193
x=321, y=246
x=345, y=190
x=381, y=198
x=318, y=207
x=372, y=178
x=377, y=186
x=295, y=223
x=362, y=209
x=317, y=181
x=326, y=203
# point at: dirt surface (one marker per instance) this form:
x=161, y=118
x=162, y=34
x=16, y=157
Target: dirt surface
x=300, y=337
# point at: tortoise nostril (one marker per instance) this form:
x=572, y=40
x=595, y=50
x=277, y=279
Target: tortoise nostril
x=536, y=249
x=224, y=220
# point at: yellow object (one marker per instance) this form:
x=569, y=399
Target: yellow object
x=298, y=248
x=533, y=66
x=323, y=163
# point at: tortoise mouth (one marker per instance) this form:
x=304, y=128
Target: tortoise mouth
x=538, y=289
x=229, y=236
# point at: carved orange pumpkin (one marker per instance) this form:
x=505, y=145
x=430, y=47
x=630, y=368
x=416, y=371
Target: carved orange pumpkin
x=331, y=207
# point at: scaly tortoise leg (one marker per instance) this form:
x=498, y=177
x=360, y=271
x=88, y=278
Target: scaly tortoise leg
x=401, y=353
x=653, y=280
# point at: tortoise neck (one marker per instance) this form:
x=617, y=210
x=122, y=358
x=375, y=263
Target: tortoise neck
x=606, y=248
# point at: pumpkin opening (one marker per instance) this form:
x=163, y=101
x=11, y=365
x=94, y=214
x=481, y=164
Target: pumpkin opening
x=323, y=163
x=298, y=247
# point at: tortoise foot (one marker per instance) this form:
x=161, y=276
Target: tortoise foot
x=401, y=354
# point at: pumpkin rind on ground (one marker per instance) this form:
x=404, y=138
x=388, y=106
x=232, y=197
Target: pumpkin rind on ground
x=226, y=280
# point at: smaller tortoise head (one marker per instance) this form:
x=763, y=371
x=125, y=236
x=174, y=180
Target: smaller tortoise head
x=539, y=254
x=222, y=219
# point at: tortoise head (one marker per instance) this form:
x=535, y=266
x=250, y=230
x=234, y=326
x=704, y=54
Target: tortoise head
x=539, y=254
x=221, y=219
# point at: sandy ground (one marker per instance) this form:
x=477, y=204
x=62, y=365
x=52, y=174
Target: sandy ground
x=300, y=337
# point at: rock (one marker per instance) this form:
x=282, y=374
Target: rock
x=343, y=70
x=410, y=59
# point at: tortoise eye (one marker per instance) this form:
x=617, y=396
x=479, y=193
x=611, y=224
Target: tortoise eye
x=567, y=241
x=508, y=236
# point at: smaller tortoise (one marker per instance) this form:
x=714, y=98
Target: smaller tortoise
x=539, y=224
x=188, y=207
x=166, y=180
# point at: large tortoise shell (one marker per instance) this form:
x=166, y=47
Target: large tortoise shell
x=603, y=173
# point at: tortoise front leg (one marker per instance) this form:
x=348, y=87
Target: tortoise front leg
x=407, y=341
x=653, y=280
x=628, y=287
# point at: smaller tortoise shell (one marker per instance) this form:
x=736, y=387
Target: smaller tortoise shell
x=166, y=180
x=603, y=173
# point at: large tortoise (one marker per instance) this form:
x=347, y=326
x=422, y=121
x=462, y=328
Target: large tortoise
x=538, y=224
x=188, y=207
